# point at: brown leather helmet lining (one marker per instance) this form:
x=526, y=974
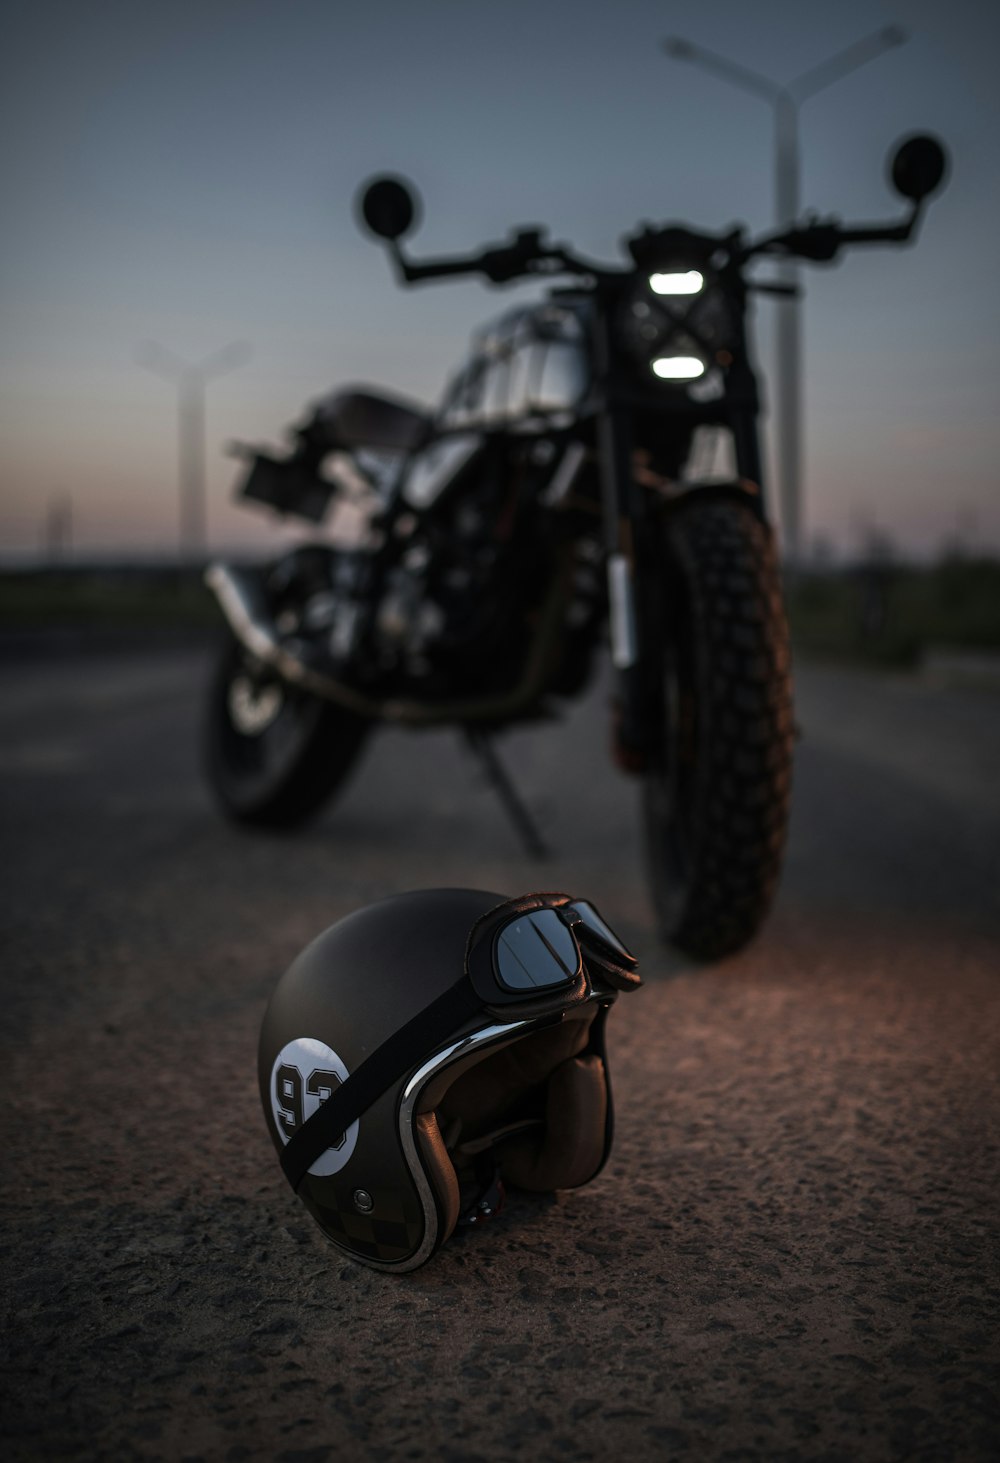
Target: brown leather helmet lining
x=545, y=1081
x=440, y=1168
x=568, y=1150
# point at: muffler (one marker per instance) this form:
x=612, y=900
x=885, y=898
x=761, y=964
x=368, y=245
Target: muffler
x=244, y=604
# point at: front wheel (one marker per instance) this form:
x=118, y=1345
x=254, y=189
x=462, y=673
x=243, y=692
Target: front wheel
x=716, y=791
x=274, y=754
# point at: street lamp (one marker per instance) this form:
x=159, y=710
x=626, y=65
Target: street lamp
x=190, y=380
x=786, y=101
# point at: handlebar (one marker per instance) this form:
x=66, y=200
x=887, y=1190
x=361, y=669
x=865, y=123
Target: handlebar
x=918, y=168
x=821, y=240
x=526, y=254
x=816, y=241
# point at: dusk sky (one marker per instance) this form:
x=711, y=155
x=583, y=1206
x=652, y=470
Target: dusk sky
x=185, y=173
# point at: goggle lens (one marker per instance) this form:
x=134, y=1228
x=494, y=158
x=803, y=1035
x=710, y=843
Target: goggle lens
x=536, y=952
x=593, y=924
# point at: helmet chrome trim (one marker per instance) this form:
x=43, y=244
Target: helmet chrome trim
x=407, y=1114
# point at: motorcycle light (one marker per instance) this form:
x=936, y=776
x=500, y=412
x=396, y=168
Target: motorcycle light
x=678, y=368
x=677, y=336
x=688, y=282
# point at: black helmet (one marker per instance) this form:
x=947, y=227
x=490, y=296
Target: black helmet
x=430, y=1045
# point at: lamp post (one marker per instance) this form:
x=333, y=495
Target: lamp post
x=786, y=101
x=190, y=380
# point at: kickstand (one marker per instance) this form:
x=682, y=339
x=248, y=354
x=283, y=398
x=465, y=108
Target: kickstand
x=482, y=745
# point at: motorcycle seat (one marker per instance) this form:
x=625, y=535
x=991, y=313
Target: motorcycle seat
x=358, y=417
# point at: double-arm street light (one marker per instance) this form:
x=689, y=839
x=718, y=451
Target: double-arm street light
x=786, y=101
x=190, y=380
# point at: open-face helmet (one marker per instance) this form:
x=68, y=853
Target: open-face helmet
x=433, y=1046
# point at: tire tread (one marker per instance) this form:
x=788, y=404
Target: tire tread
x=728, y=559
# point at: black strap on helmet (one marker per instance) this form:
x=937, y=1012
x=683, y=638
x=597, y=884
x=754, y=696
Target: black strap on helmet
x=423, y=1033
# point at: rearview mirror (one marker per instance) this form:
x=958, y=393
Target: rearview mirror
x=918, y=167
x=388, y=207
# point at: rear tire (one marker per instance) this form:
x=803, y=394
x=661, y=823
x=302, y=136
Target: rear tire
x=717, y=789
x=274, y=755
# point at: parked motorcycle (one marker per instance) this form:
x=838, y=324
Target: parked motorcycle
x=594, y=463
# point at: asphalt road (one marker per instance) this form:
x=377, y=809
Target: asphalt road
x=792, y=1253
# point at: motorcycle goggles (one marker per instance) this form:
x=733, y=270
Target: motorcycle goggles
x=541, y=944
x=531, y=957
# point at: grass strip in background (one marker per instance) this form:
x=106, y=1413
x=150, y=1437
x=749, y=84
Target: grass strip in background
x=106, y=598
x=894, y=613
x=881, y=612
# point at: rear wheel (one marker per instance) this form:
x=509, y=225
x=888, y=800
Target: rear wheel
x=273, y=754
x=716, y=793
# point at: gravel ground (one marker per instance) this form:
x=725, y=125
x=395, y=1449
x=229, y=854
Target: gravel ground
x=792, y=1253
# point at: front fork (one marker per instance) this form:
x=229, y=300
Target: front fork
x=623, y=513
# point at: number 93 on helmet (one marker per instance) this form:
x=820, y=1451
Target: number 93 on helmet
x=433, y=1047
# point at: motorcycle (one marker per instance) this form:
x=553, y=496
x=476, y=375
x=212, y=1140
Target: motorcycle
x=594, y=463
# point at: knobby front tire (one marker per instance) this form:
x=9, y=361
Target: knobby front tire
x=716, y=793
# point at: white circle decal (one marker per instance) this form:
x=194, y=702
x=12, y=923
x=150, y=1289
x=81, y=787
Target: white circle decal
x=305, y=1073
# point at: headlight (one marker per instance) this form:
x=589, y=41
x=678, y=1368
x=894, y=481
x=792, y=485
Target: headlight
x=678, y=368
x=687, y=282
x=678, y=324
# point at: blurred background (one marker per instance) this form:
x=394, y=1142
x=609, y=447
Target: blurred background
x=812, y=1123
x=184, y=174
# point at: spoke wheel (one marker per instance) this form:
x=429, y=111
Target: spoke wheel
x=273, y=754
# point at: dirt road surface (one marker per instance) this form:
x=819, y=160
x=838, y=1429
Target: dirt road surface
x=792, y=1253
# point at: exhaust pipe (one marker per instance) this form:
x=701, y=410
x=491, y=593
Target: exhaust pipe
x=244, y=605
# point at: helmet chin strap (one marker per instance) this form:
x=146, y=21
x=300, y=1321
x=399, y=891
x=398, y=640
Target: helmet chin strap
x=490, y=1197
x=481, y=1153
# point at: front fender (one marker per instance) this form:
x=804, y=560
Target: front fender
x=680, y=495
